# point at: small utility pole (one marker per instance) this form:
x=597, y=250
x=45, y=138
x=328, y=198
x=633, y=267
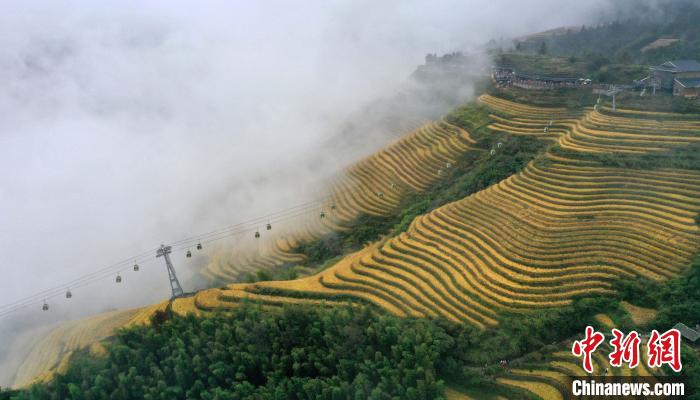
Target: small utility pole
x=614, y=90
x=164, y=251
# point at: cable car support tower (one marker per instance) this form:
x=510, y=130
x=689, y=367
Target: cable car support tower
x=164, y=251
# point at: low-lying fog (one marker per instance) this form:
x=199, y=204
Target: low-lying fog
x=124, y=124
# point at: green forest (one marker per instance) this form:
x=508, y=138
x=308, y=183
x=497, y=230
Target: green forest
x=623, y=40
x=617, y=51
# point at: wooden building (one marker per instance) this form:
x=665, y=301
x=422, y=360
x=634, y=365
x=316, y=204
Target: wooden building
x=688, y=87
x=680, y=76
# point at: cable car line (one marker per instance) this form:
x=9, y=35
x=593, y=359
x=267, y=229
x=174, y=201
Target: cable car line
x=255, y=222
x=77, y=280
x=198, y=241
x=148, y=255
x=126, y=264
x=90, y=278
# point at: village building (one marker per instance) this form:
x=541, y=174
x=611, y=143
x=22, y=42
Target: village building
x=688, y=87
x=680, y=76
x=506, y=75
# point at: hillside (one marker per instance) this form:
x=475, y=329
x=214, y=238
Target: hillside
x=506, y=213
x=367, y=193
x=373, y=187
x=614, y=50
x=534, y=239
x=649, y=33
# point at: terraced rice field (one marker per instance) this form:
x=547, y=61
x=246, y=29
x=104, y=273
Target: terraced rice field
x=595, y=131
x=51, y=354
x=605, y=321
x=560, y=228
x=640, y=315
x=373, y=186
x=563, y=226
x=229, y=263
x=452, y=394
x=517, y=110
x=53, y=351
x=553, y=380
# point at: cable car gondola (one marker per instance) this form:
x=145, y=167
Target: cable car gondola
x=119, y=279
x=199, y=246
x=269, y=227
x=136, y=267
x=257, y=234
x=322, y=214
x=189, y=254
x=69, y=294
x=333, y=206
x=45, y=307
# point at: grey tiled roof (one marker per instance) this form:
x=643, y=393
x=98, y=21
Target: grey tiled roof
x=686, y=332
x=689, y=82
x=681, y=66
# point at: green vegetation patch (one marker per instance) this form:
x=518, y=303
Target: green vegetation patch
x=467, y=178
x=677, y=300
x=683, y=157
x=543, y=65
x=570, y=98
x=471, y=116
x=625, y=40
x=661, y=101
x=299, y=352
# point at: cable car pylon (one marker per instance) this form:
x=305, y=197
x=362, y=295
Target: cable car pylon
x=164, y=251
